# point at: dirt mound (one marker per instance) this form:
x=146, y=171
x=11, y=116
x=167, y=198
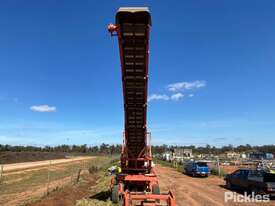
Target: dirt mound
x=67, y=196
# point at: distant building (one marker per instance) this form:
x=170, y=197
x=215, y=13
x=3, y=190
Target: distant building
x=261, y=156
x=243, y=156
x=180, y=153
x=200, y=156
x=167, y=156
x=232, y=155
x=187, y=152
x=269, y=156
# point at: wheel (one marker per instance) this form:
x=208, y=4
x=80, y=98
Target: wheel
x=115, y=195
x=184, y=171
x=155, y=189
x=257, y=191
x=254, y=191
x=228, y=184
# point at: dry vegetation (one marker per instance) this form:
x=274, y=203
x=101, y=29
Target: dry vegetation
x=26, y=186
x=98, y=193
x=8, y=157
x=29, y=187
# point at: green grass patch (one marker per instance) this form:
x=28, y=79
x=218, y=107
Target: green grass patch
x=215, y=171
x=100, y=192
x=177, y=166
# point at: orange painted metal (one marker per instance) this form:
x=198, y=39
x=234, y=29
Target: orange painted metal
x=143, y=199
x=132, y=29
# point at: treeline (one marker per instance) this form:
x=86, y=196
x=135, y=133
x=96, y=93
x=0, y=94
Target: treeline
x=208, y=149
x=116, y=149
x=102, y=149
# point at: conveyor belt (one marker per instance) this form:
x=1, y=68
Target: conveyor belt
x=133, y=31
x=136, y=184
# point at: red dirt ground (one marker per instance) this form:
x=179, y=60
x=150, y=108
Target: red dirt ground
x=196, y=191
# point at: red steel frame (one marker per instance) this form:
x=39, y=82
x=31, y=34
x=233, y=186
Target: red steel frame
x=136, y=176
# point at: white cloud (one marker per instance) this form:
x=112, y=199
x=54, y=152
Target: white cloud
x=177, y=96
x=158, y=97
x=191, y=95
x=179, y=86
x=43, y=108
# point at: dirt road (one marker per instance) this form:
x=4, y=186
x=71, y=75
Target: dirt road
x=29, y=165
x=196, y=191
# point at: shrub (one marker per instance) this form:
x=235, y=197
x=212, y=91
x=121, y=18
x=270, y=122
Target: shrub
x=215, y=171
x=93, y=169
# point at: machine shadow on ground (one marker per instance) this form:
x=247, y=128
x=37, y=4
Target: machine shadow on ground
x=101, y=196
x=189, y=175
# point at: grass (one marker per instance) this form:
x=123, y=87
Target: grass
x=32, y=180
x=178, y=167
x=35, y=178
x=100, y=192
x=215, y=171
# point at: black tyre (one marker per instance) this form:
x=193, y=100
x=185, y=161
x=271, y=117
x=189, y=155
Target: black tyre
x=257, y=191
x=115, y=195
x=254, y=191
x=155, y=190
x=228, y=184
x=184, y=171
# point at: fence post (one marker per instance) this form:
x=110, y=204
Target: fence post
x=1, y=173
x=49, y=177
x=218, y=164
x=71, y=175
x=78, y=175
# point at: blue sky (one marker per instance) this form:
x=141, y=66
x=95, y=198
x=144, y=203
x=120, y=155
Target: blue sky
x=211, y=72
